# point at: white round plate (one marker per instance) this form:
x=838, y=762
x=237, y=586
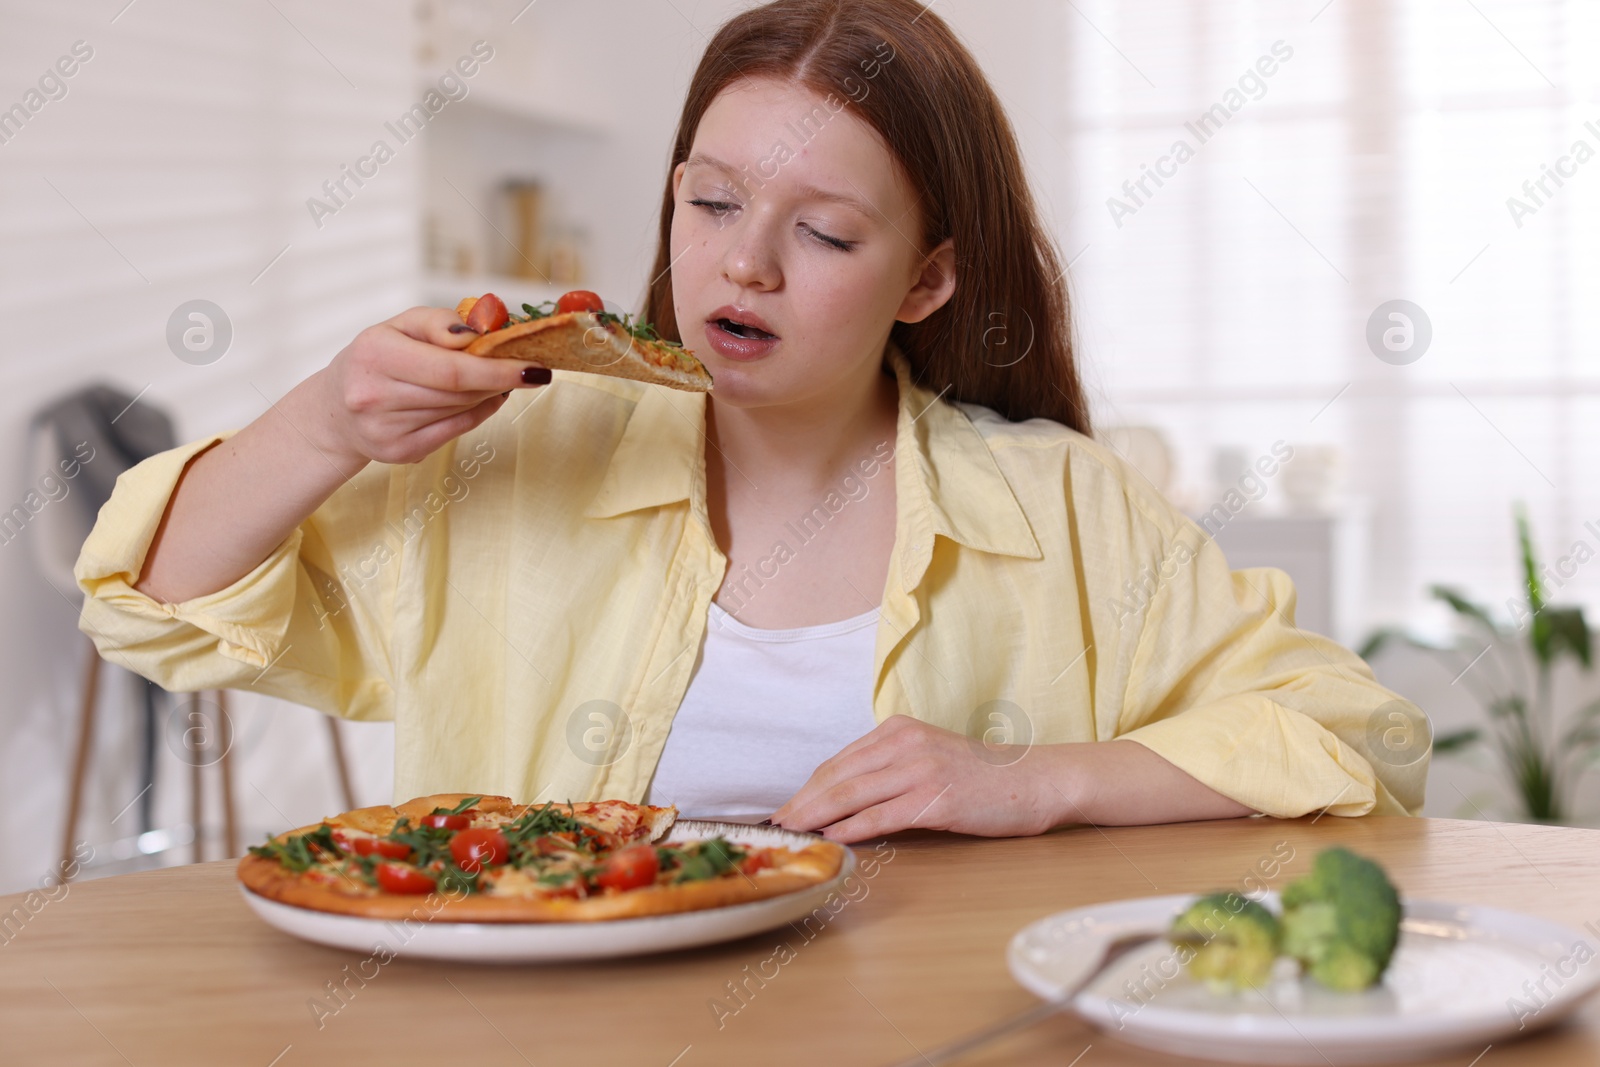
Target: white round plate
x=1456, y=984
x=548, y=942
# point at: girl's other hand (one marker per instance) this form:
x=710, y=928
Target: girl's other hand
x=907, y=774
x=402, y=388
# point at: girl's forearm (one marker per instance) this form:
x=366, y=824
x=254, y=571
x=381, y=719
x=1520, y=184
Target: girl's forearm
x=1123, y=783
x=236, y=501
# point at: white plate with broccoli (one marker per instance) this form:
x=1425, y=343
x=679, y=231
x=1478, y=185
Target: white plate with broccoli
x=1284, y=980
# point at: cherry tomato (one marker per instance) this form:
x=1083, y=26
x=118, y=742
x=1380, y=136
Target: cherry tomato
x=579, y=300
x=450, y=822
x=489, y=313
x=629, y=868
x=755, y=861
x=367, y=846
x=399, y=878
x=550, y=844
x=473, y=849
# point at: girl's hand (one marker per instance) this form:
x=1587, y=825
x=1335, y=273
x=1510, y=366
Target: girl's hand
x=401, y=389
x=906, y=773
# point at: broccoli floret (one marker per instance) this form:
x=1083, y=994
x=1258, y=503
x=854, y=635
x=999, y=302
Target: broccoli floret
x=1233, y=939
x=1342, y=920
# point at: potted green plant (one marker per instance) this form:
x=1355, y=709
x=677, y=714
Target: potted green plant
x=1543, y=760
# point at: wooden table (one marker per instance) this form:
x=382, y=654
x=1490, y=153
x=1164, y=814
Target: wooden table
x=169, y=967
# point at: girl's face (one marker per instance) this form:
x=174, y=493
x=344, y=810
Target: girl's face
x=793, y=245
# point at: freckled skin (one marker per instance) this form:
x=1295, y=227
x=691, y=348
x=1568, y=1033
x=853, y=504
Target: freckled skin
x=784, y=429
x=833, y=309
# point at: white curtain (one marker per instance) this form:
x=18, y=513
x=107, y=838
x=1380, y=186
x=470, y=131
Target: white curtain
x=1353, y=153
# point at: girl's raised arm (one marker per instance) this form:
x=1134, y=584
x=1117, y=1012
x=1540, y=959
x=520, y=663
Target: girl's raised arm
x=394, y=394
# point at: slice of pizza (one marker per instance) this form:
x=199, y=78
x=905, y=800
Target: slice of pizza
x=577, y=333
x=487, y=859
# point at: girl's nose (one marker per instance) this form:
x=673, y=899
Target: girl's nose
x=750, y=261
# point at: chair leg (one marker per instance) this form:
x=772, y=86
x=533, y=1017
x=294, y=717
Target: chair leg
x=230, y=827
x=196, y=791
x=339, y=763
x=151, y=697
x=80, y=767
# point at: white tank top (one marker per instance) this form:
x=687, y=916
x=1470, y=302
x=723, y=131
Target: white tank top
x=763, y=709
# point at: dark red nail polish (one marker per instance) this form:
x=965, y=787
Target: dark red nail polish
x=535, y=375
x=462, y=327
x=505, y=394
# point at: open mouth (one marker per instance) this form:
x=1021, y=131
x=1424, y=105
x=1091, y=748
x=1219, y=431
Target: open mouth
x=739, y=329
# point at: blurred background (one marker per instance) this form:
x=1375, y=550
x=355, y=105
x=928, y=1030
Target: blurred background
x=1333, y=267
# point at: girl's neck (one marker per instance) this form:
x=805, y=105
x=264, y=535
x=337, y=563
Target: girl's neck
x=805, y=445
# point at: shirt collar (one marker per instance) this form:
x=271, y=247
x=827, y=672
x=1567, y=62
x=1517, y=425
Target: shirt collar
x=947, y=482
x=660, y=457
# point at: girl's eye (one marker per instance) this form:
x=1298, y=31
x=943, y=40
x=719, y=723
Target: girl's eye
x=831, y=242
x=717, y=208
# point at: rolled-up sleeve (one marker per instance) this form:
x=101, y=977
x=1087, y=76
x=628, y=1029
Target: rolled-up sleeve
x=309, y=623
x=1288, y=722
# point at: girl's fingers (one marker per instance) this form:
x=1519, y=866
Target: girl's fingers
x=433, y=326
x=850, y=785
x=866, y=754
x=900, y=812
x=427, y=365
x=828, y=774
x=859, y=794
x=417, y=401
x=873, y=736
x=436, y=433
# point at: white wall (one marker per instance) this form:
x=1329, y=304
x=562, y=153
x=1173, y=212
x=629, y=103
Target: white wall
x=177, y=167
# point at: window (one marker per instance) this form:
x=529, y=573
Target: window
x=1341, y=155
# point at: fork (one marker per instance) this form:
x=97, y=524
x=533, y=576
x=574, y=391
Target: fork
x=1114, y=951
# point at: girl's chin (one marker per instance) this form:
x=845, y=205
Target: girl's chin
x=753, y=386
x=732, y=392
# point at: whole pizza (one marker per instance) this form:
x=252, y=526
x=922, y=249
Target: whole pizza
x=487, y=859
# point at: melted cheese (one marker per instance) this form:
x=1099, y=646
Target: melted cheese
x=524, y=881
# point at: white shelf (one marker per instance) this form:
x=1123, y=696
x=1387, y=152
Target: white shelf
x=538, y=112
x=525, y=108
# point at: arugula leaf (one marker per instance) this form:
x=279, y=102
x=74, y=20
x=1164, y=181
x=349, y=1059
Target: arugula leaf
x=364, y=866
x=523, y=834
x=459, y=808
x=546, y=820
x=707, y=859
x=644, y=331
x=557, y=877
x=298, y=853
x=452, y=878
x=428, y=843
x=430, y=854
x=533, y=312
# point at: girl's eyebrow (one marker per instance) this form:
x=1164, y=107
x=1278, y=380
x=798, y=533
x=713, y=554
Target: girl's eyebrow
x=808, y=192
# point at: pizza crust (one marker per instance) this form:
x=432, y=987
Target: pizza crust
x=810, y=866
x=580, y=341
x=326, y=891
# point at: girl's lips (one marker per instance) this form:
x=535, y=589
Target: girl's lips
x=732, y=346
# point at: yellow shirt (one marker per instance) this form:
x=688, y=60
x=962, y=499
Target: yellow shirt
x=526, y=604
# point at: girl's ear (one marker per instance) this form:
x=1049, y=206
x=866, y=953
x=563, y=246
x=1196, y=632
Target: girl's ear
x=677, y=179
x=933, y=286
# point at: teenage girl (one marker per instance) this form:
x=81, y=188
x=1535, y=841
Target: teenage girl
x=881, y=577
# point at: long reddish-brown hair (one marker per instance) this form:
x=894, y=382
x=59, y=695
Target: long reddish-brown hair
x=1004, y=339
